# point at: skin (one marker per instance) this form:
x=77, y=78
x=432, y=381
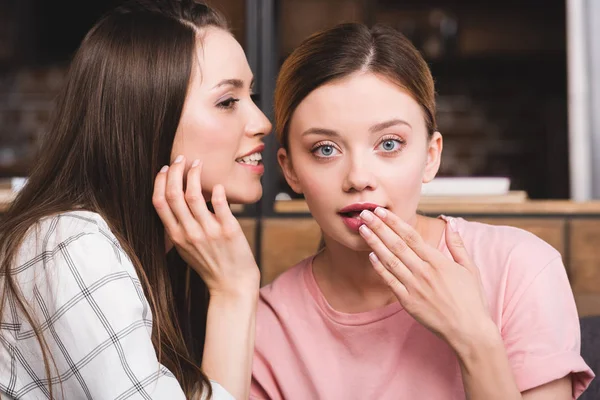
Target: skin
x=219, y=124
x=364, y=139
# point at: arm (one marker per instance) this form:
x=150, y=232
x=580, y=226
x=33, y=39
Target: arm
x=96, y=321
x=229, y=341
x=214, y=245
x=487, y=374
x=447, y=297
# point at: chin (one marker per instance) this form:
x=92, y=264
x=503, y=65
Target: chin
x=356, y=244
x=244, y=194
x=352, y=241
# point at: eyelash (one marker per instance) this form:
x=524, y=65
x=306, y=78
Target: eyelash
x=228, y=104
x=396, y=139
x=320, y=145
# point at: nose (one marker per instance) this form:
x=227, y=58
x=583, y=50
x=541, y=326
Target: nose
x=359, y=176
x=258, y=123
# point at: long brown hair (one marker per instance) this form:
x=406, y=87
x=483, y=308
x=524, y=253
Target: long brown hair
x=112, y=130
x=346, y=49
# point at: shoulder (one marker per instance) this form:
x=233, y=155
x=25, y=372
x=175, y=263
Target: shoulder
x=288, y=295
x=505, y=244
x=289, y=284
x=62, y=229
x=68, y=247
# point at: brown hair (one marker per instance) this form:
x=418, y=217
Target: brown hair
x=346, y=49
x=112, y=130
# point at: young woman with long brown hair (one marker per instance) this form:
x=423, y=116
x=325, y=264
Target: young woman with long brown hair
x=398, y=305
x=117, y=280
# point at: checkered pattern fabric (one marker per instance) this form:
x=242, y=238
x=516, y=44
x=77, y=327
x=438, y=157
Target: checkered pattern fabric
x=86, y=297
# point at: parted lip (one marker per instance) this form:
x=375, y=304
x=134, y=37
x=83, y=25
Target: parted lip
x=358, y=207
x=257, y=149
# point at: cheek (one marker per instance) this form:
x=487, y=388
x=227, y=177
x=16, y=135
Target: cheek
x=403, y=183
x=210, y=138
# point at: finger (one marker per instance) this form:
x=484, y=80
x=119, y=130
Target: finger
x=160, y=202
x=221, y=207
x=197, y=204
x=457, y=247
x=410, y=236
x=393, y=241
x=175, y=196
x=397, y=287
x=193, y=193
x=389, y=260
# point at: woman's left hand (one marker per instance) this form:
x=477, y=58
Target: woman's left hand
x=444, y=295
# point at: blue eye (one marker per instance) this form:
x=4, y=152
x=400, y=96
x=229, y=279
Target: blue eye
x=390, y=145
x=325, y=151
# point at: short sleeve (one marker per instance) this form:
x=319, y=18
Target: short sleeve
x=541, y=332
x=97, y=323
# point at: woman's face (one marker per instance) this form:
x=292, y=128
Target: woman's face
x=358, y=143
x=220, y=124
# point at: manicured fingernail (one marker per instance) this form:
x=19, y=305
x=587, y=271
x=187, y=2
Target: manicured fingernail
x=366, y=215
x=195, y=163
x=164, y=169
x=380, y=212
x=453, y=226
x=178, y=159
x=365, y=231
x=373, y=257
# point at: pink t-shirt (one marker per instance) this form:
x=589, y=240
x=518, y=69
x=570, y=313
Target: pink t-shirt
x=307, y=350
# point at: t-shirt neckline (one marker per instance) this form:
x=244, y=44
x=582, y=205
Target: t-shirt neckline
x=354, y=319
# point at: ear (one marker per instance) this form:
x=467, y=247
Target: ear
x=285, y=162
x=434, y=157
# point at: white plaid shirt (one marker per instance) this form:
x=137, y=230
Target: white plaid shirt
x=85, y=293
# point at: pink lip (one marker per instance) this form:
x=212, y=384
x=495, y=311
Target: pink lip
x=257, y=169
x=257, y=149
x=353, y=223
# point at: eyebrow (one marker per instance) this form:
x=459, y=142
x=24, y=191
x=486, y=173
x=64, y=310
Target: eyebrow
x=320, y=131
x=387, y=124
x=236, y=83
x=374, y=129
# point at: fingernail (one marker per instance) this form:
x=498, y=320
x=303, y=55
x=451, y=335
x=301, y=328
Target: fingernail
x=195, y=163
x=453, y=226
x=380, y=212
x=366, y=215
x=365, y=231
x=178, y=159
x=164, y=169
x=373, y=257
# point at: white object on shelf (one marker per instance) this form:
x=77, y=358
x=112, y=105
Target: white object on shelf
x=466, y=186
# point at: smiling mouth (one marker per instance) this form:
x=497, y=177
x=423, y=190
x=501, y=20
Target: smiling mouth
x=253, y=159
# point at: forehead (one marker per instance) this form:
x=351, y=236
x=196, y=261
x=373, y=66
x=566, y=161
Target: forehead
x=220, y=56
x=358, y=101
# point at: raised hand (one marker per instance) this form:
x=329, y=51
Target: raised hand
x=214, y=245
x=444, y=295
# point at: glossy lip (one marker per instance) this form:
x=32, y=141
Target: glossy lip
x=359, y=207
x=257, y=169
x=257, y=149
x=354, y=223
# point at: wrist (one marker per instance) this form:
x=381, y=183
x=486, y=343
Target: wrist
x=242, y=291
x=481, y=340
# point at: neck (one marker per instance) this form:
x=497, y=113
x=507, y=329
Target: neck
x=348, y=281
